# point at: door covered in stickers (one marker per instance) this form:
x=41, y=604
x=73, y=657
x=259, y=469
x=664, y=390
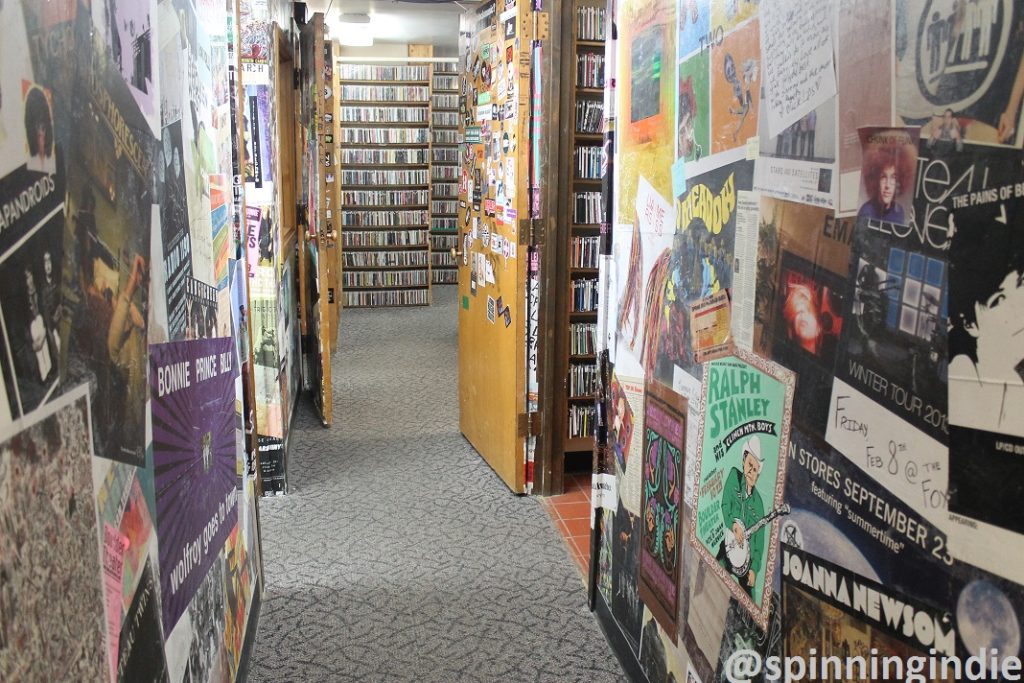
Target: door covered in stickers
x=495, y=197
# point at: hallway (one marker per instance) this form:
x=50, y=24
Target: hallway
x=399, y=555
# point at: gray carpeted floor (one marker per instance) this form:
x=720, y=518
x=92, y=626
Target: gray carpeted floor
x=399, y=555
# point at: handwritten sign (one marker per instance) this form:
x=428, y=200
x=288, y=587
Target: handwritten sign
x=797, y=58
x=655, y=214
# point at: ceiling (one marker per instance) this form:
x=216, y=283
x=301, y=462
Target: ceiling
x=401, y=22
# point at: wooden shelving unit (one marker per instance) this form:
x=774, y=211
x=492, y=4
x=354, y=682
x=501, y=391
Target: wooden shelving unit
x=582, y=230
x=384, y=147
x=444, y=172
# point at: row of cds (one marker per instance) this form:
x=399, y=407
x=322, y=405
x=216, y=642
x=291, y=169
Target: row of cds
x=446, y=155
x=398, y=177
x=444, y=206
x=383, y=218
x=385, y=197
x=442, y=259
x=442, y=190
x=444, y=172
x=401, y=297
x=445, y=276
x=446, y=137
x=385, y=259
x=384, y=278
x=384, y=238
x=383, y=156
x=582, y=380
x=385, y=136
x=444, y=224
x=587, y=207
x=589, y=116
x=584, y=295
x=446, y=82
x=444, y=242
x=383, y=114
x=581, y=339
x=585, y=251
x=360, y=72
x=590, y=23
x=588, y=162
x=581, y=421
x=590, y=70
x=385, y=93
x=445, y=118
x=446, y=102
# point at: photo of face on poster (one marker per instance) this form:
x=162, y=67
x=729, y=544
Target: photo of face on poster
x=959, y=69
x=887, y=176
x=809, y=316
x=986, y=314
x=39, y=133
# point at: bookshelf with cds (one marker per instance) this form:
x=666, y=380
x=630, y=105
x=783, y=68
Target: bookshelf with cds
x=444, y=172
x=384, y=147
x=584, y=228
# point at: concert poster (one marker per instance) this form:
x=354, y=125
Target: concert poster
x=700, y=263
x=744, y=436
x=194, y=453
x=661, y=502
x=735, y=88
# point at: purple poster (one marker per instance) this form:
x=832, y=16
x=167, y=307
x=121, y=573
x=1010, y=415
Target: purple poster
x=193, y=394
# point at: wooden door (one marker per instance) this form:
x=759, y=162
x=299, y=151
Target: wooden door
x=318, y=250
x=494, y=203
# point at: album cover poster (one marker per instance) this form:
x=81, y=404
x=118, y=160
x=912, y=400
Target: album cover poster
x=626, y=605
x=693, y=107
x=840, y=514
x=141, y=653
x=742, y=632
x=956, y=68
x=700, y=263
x=106, y=259
x=808, y=322
x=174, y=226
x=620, y=433
x=51, y=600
x=201, y=302
x=646, y=99
x=661, y=503
x=815, y=624
x=735, y=88
x=694, y=26
x=127, y=27
x=194, y=455
x=744, y=436
x=986, y=306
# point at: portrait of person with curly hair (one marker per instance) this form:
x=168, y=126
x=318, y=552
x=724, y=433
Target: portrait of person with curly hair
x=888, y=177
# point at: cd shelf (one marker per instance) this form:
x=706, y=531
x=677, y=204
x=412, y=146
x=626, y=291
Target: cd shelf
x=444, y=172
x=385, y=154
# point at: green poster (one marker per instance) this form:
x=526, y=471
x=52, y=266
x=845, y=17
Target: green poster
x=744, y=433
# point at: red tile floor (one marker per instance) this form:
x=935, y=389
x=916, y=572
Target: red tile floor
x=571, y=513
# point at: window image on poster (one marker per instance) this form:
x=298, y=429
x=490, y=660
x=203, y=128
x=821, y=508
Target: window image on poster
x=744, y=437
x=661, y=502
x=646, y=60
x=194, y=455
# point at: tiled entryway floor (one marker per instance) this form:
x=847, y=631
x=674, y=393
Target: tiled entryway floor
x=571, y=514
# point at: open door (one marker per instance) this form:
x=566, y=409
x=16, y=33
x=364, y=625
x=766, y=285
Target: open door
x=318, y=250
x=493, y=257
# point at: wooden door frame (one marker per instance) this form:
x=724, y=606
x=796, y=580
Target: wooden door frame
x=549, y=464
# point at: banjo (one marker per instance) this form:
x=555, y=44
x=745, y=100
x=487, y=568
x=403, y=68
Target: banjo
x=738, y=553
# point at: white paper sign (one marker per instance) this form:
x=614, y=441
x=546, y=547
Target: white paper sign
x=744, y=271
x=796, y=52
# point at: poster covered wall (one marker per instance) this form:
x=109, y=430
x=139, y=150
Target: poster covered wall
x=847, y=191
x=120, y=399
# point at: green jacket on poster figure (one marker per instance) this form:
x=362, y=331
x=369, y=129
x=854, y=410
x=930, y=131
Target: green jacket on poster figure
x=741, y=502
